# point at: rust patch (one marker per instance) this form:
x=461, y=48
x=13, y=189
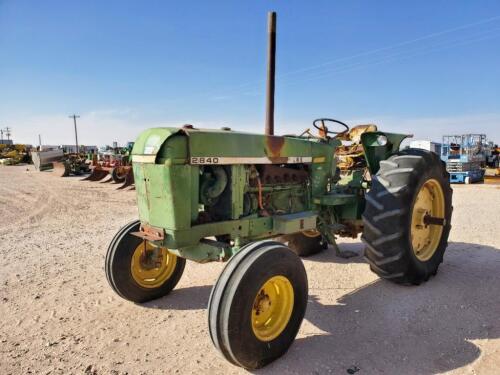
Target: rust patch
x=274, y=145
x=278, y=160
x=150, y=233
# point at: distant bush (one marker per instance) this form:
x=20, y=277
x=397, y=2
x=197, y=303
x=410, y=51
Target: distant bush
x=20, y=148
x=18, y=153
x=12, y=154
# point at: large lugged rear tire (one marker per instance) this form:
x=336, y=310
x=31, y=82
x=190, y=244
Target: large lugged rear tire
x=258, y=303
x=407, y=218
x=138, y=272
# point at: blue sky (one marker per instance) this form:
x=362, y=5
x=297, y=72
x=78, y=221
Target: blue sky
x=427, y=67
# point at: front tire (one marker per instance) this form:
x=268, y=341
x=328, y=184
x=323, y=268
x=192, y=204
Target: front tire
x=258, y=303
x=407, y=217
x=137, y=271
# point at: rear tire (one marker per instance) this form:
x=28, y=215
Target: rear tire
x=124, y=276
x=388, y=225
x=262, y=278
x=304, y=244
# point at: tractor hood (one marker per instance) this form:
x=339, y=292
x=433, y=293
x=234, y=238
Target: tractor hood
x=149, y=142
x=224, y=147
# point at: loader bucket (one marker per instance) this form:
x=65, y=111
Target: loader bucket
x=43, y=160
x=96, y=175
x=60, y=168
x=129, y=180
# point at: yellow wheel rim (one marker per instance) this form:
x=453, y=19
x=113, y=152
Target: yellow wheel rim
x=152, y=266
x=311, y=233
x=272, y=308
x=425, y=238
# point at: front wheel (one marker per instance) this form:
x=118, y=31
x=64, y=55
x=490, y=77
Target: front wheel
x=258, y=303
x=138, y=271
x=407, y=218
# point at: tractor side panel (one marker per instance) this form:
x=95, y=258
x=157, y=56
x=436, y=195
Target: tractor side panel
x=164, y=195
x=167, y=187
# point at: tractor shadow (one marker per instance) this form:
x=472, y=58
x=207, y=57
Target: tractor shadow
x=329, y=256
x=189, y=298
x=383, y=328
x=196, y=297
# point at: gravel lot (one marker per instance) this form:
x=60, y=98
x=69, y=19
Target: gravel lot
x=59, y=316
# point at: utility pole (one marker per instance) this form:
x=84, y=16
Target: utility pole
x=74, y=117
x=7, y=132
x=1, y=135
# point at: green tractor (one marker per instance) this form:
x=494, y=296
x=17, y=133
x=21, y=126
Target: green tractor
x=262, y=201
x=208, y=195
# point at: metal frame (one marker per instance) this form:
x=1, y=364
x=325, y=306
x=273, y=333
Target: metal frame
x=465, y=162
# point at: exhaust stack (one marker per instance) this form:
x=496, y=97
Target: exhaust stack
x=271, y=65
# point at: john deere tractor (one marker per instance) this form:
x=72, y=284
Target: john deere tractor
x=261, y=201
x=221, y=195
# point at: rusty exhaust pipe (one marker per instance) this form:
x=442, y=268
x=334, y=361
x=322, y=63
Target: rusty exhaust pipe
x=271, y=70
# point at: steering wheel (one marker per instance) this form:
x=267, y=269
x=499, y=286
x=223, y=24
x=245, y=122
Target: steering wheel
x=325, y=129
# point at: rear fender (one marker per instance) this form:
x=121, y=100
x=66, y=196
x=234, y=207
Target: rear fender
x=375, y=151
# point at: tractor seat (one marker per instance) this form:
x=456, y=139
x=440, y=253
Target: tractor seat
x=354, y=135
x=348, y=155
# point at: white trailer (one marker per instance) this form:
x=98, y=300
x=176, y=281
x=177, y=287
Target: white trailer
x=426, y=145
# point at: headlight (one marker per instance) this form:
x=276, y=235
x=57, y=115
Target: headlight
x=382, y=140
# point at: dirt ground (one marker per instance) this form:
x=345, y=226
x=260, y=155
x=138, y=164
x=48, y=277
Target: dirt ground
x=59, y=316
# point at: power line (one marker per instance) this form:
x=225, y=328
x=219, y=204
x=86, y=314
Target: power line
x=394, y=57
x=74, y=117
x=397, y=45
x=386, y=59
x=238, y=90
